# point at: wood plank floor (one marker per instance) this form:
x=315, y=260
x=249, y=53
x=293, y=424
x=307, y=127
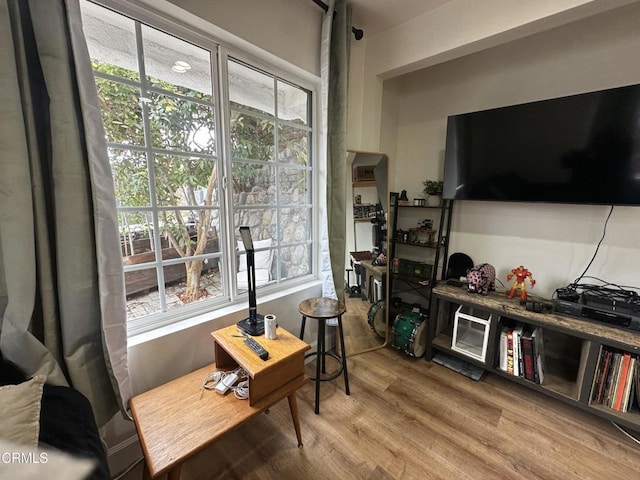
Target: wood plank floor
x=408, y=418
x=358, y=334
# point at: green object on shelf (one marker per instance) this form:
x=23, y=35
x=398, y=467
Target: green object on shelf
x=416, y=269
x=433, y=187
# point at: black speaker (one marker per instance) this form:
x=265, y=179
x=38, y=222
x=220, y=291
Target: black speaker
x=538, y=307
x=458, y=265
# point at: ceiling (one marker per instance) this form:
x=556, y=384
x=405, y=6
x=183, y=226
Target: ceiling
x=375, y=16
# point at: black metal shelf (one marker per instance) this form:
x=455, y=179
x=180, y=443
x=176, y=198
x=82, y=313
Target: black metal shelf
x=414, y=244
x=438, y=207
x=402, y=283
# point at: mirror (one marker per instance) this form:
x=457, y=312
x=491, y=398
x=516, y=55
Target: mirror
x=365, y=323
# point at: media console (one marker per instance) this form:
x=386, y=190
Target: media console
x=572, y=346
x=611, y=314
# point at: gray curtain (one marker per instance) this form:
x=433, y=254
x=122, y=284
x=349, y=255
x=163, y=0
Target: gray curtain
x=337, y=174
x=62, y=300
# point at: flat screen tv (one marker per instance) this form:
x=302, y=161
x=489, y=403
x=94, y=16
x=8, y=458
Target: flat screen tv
x=581, y=148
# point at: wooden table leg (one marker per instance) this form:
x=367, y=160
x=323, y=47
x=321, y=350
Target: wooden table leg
x=293, y=406
x=145, y=471
x=174, y=474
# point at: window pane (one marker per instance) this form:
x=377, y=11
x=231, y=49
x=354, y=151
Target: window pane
x=293, y=145
x=253, y=184
x=130, y=177
x=293, y=187
x=294, y=261
x=293, y=103
x=263, y=223
x=167, y=169
x=111, y=40
x=251, y=137
x=295, y=225
x=176, y=65
x=250, y=89
x=136, y=237
x=181, y=125
x=142, y=293
x=121, y=112
x=185, y=181
x=263, y=259
x=190, y=232
x=206, y=284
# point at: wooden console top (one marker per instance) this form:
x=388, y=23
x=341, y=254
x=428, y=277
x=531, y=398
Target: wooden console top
x=499, y=302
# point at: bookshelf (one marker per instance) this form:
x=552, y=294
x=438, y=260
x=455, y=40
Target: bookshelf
x=573, y=352
x=420, y=253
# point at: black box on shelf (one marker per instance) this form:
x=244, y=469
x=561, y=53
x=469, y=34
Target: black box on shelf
x=416, y=269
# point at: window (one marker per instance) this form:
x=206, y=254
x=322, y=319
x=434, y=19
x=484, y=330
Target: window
x=270, y=139
x=182, y=187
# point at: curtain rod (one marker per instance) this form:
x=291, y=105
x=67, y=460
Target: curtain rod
x=357, y=32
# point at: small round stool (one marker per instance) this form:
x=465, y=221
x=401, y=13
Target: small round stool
x=322, y=309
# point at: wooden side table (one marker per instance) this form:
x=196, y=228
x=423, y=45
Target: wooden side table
x=179, y=419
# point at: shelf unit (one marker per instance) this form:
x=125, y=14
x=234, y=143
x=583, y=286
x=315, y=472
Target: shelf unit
x=367, y=190
x=572, y=346
x=404, y=285
x=364, y=183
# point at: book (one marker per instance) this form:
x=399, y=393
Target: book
x=632, y=390
x=604, y=373
x=527, y=353
x=607, y=379
x=517, y=357
x=502, y=360
x=628, y=385
x=596, y=376
x=637, y=382
x=621, y=382
x=538, y=354
x=510, y=351
x=610, y=388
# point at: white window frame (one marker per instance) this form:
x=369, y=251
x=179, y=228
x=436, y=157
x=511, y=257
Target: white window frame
x=223, y=46
x=226, y=55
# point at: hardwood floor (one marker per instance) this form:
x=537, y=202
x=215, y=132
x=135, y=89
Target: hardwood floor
x=358, y=335
x=408, y=418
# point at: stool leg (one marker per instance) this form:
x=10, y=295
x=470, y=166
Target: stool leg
x=304, y=320
x=324, y=347
x=344, y=356
x=319, y=360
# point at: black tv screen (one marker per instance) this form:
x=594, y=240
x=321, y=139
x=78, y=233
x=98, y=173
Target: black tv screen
x=582, y=148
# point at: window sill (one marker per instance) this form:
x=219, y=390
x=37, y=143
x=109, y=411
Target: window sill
x=231, y=311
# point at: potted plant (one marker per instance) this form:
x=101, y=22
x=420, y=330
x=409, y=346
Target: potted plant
x=433, y=191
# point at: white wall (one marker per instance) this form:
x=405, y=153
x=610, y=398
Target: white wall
x=555, y=242
x=285, y=28
x=462, y=27
x=456, y=29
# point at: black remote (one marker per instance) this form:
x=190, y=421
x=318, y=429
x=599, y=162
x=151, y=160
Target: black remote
x=256, y=347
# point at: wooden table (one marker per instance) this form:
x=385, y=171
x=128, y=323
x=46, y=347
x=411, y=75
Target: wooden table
x=178, y=419
x=371, y=272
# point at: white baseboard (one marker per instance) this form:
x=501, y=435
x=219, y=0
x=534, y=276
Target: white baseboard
x=124, y=454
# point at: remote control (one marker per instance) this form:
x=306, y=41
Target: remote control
x=257, y=348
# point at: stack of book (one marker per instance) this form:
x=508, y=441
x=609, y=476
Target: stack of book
x=521, y=352
x=615, y=380
x=364, y=211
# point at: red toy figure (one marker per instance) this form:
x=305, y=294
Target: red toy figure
x=521, y=275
